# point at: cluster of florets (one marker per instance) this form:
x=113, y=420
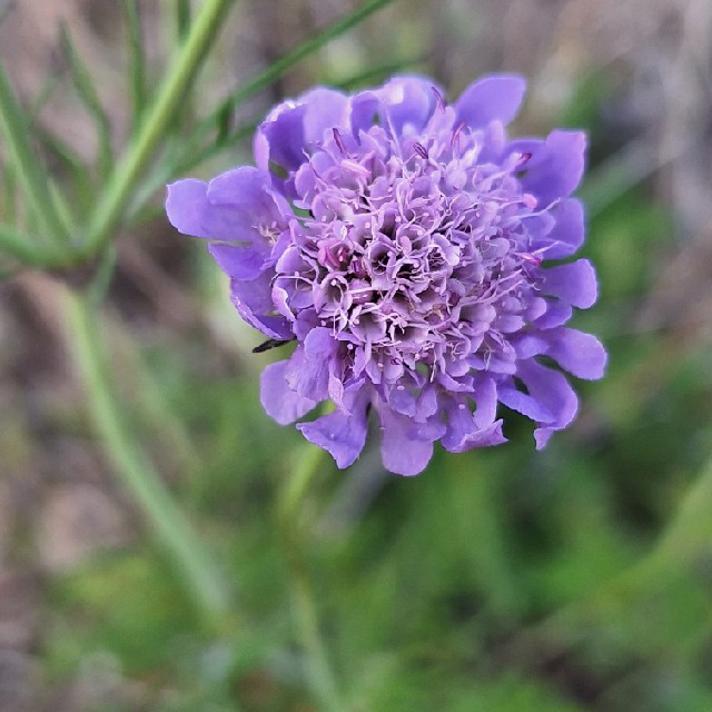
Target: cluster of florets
x=402, y=243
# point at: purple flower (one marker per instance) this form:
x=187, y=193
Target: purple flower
x=403, y=243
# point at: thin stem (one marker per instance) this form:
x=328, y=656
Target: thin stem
x=137, y=61
x=28, y=170
x=109, y=210
x=181, y=9
x=89, y=96
x=21, y=247
x=134, y=468
x=8, y=191
x=290, y=510
x=376, y=74
x=286, y=62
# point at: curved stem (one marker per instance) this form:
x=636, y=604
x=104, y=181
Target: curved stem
x=287, y=61
x=152, y=130
x=28, y=171
x=135, y=469
x=321, y=677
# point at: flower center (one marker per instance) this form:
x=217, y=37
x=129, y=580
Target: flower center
x=415, y=253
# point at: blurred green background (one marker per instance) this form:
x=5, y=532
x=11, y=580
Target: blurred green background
x=499, y=580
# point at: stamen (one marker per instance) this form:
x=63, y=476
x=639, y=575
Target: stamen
x=339, y=141
x=420, y=150
x=454, y=139
x=439, y=99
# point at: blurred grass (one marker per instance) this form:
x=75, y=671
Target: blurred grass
x=432, y=594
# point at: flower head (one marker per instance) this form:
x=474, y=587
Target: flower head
x=404, y=245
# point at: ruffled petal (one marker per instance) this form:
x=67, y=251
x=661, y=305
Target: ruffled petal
x=567, y=235
x=409, y=103
x=406, y=446
x=555, y=166
x=297, y=126
x=326, y=109
x=485, y=394
x=364, y=111
x=490, y=436
x=579, y=353
x=252, y=299
x=492, y=98
x=231, y=207
x=341, y=434
x=187, y=205
x=466, y=431
x=246, y=189
x=239, y=262
x=320, y=344
x=553, y=393
x=191, y=213
x=557, y=313
x=574, y=283
x=524, y=404
x=278, y=400
x=309, y=369
x=279, y=140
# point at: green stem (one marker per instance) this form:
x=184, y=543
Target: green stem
x=30, y=175
x=89, y=96
x=137, y=61
x=22, y=247
x=286, y=62
x=134, y=468
x=108, y=212
x=320, y=675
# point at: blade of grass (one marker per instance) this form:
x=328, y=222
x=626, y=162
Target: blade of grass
x=28, y=170
x=108, y=212
x=136, y=471
x=178, y=28
x=43, y=96
x=376, y=74
x=64, y=209
x=9, y=195
x=137, y=62
x=87, y=93
x=81, y=180
x=20, y=246
x=182, y=19
x=99, y=287
x=287, y=62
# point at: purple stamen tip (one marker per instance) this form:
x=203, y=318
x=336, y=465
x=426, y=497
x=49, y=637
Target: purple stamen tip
x=439, y=99
x=420, y=149
x=339, y=141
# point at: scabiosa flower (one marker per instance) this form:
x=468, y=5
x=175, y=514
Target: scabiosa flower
x=405, y=245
